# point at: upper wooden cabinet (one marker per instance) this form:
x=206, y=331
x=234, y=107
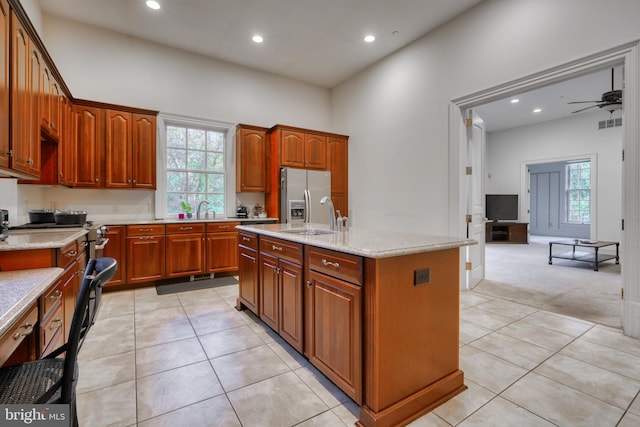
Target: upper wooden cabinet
x=50, y=104
x=299, y=149
x=315, y=151
x=252, y=150
x=143, y=157
x=5, y=36
x=87, y=146
x=338, y=164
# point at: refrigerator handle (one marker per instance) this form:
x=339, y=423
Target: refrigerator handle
x=307, y=206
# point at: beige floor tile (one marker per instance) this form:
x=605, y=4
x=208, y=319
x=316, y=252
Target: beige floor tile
x=605, y=385
x=330, y=394
x=487, y=370
x=605, y=357
x=470, y=332
x=325, y=419
x=635, y=406
x=247, y=367
x=507, y=308
x=470, y=299
x=464, y=404
x=537, y=335
x=146, y=299
x=560, y=404
x=104, y=372
x=116, y=304
x=171, y=355
x=160, y=315
x=218, y=321
x=196, y=297
x=485, y=318
x=429, y=420
x=214, y=412
x=518, y=352
x=163, y=331
x=501, y=412
x=279, y=401
x=348, y=411
x=629, y=420
x=170, y=390
x=102, y=345
x=291, y=357
x=109, y=406
x=205, y=307
x=613, y=338
x=227, y=291
x=229, y=341
x=563, y=324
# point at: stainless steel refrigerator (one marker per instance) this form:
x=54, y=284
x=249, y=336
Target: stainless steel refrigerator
x=300, y=194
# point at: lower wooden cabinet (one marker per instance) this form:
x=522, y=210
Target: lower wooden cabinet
x=116, y=249
x=222, y=247
x=184, y=250
x=248, y=285
x=145, y=253
x=18, y=343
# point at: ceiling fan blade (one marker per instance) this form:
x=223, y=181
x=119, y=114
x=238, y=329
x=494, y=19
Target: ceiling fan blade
x=582, y=102
x=586, y=108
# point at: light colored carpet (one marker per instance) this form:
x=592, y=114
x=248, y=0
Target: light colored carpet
x=521, y=273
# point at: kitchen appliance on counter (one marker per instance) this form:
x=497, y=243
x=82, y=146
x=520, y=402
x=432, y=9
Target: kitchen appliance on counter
x=242, y=212
x=4, y=224
x=300, y=194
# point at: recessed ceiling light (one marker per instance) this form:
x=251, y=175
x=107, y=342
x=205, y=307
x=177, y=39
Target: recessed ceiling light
x=515, y=101
x=257, y=38
x=537, y=110
x=370, y=38
x=153, y=4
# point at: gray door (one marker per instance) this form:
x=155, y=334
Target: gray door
x=545, y=203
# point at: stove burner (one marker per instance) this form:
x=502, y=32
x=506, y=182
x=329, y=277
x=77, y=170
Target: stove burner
x=44, y=225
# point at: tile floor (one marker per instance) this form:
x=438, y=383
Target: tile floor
x=192, y=359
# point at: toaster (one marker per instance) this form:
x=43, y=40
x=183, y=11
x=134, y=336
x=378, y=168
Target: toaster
x=242, y=212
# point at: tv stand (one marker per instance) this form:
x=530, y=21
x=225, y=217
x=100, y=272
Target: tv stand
x=507, y=232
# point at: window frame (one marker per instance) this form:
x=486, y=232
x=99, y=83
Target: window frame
x=228, y=128
x=569, y=190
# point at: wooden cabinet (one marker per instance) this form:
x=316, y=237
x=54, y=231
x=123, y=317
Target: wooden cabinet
x=116, y=249
x=51, y=308
x=145, y=253
x=222, y=247
x=281, y=289
x=248, y=285
x=66, y=159
x=130, y=144
x=87, y=146
x=18, y=343
x=507, y=232
x=49, y=98
x=338, y=165
x=315, y=151
x=5, y=37
x=252, y=151
x=333, y=317
x=185, y=249
x=299, y=149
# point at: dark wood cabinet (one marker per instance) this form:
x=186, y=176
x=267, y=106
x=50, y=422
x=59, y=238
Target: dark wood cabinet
x=143, y=156
x=87, y=146
x=315, y=151
x=221, y=247
x=145, y=253
x=248, y=285
x=116, y=249
x=185, y=250
x=5, y=37
x=338, y=165
x=291, y=148
x=507, y=232
x=252, y=151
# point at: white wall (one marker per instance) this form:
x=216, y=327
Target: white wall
x=560, y=139
x=396, y=112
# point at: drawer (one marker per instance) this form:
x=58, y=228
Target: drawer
x=197, y=227
x=282, y=249
x=51, y=331
x=249, y=240
x=20, y=330
x=218, y=227
x=67, y=254
x=337, y=264
x=53, y=297
x=145, y=230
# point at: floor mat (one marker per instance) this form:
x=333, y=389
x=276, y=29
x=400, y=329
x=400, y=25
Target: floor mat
x=173, y=288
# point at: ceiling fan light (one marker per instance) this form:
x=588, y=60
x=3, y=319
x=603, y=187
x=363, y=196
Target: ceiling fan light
x=612, y=107
x=153, y=4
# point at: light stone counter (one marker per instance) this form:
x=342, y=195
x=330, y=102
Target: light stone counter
x=20, y=289
x=367, y=243
x=185, y=221
x=41, y=239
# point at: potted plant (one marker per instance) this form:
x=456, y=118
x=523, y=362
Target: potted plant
x=186, y=208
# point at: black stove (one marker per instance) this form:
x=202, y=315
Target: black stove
x=43, y=225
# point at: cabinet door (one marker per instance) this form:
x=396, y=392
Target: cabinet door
x=55, y=113
x=185, y=255
x=66, y=160
x=5, y=36
x=116, y=249
x=292, y=149
x=117, y=170
x=334, y=344
x=251, y=148
x=20, y=97
x=290, y=307
x=248, y=278
x=45, y=97
x=146, y=259
x=143, y=157
x=88, y=144
x=35, y=91
x=222, y=252
x=338, y=164
x=269, y=290
x=315, y=151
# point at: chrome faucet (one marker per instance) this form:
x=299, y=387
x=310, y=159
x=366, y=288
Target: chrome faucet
x=199, y=206
x=332, y=213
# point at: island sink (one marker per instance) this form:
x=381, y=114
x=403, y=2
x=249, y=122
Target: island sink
x=308, y=231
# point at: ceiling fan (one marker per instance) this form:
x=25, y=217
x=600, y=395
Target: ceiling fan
x=611, y=100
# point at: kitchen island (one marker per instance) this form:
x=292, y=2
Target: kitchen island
x=376, y=312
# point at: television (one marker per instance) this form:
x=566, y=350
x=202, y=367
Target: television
x=502, y=207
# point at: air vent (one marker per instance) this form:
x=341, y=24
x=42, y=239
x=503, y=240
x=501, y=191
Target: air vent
x=604, y=124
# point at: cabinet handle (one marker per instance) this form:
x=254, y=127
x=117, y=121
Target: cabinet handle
x=308, y=284
x=186, y=228
x=134, y=181
x=223, y=226
x=145, y=237
x=142, y=230
x=332, y=264
x=276, y=248
x=55, y=324
x=71, y=254
x=246, y=239
x=129, y=181
x=19, y=335
x=53, y=125
x=97, y=180
x=56, y=295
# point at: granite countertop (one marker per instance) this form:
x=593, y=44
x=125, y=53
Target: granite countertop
x=20, y=289
x=183, y=221
x=41, y=239
x=367, y=243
